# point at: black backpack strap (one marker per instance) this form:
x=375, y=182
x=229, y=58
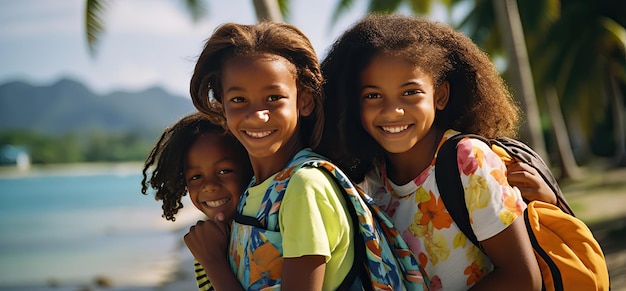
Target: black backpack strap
x=450, y=186
x=524, y=153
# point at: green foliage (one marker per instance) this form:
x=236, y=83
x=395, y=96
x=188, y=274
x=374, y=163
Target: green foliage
x=95, y=146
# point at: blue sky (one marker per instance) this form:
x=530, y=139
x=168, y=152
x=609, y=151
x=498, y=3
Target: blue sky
x=147, y=42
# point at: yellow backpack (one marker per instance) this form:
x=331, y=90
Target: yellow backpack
x=568, y=255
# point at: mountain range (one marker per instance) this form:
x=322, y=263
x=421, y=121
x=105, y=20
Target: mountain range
x=70, y=106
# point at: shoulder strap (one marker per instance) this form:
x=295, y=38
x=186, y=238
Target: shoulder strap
x=267, y=216
x=450, y=186
x=384, y=258
x=527, y=155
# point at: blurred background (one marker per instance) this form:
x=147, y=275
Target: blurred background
x=87, y=86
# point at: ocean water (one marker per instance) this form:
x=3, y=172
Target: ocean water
x=70, y=227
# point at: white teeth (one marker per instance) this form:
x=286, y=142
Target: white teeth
x=217, y=203
x=394, y=129
x=257, y=134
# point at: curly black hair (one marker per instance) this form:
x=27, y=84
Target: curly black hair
x=479, y=100
x=166, y=162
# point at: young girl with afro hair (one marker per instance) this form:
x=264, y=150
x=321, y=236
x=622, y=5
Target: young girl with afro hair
x=396, y=88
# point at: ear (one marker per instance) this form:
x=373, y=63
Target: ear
x=442, y=95
x=306, y=105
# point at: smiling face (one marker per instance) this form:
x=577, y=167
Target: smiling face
x=262, y=105
x=216, y=172
x=398, y=102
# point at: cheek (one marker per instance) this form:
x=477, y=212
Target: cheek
x=367, y=116
x=193, y=195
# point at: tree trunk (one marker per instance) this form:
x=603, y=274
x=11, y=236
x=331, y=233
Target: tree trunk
x=567, y=162
x=619, y=123
x=267, y=10
x=512, y=33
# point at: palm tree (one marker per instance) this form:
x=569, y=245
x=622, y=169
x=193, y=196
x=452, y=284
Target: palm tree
x=521, y=77
x=574, y=40
x=266, y=10
x=582, y=55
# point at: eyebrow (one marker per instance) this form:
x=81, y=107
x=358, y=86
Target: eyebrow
x=266, y=88
x=403, y=85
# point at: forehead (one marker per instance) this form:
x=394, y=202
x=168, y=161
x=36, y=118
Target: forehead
x=258, y=62
x=215, y=144
x=384, y=66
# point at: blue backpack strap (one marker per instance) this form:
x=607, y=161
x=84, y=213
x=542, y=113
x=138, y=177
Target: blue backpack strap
x=383, y=259
x=267, y=216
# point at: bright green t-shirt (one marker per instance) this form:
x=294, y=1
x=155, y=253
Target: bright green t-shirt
x=313, y=220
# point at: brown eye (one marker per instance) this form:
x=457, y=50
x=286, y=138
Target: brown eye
x=371, y=96
x=224, y=171
x=411, y=92
x=237, y=99
x=274, y=97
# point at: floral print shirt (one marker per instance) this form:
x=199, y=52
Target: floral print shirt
x=451, y=261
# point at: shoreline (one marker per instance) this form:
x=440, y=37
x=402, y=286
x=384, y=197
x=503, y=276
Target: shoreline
x=72, y=169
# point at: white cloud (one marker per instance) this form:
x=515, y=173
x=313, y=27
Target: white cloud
x=148, y=17
x=36, y=18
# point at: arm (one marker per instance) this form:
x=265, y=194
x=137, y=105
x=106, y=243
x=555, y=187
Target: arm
x=208, y=242
x=303, y=271
x=515, y=266
x=496, y=209
x=316, y=232
x=530, y=183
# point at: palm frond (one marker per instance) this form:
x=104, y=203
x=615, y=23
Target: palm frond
x=283, y=6
x=384, y=6
x=196, y=9
x=94, y=26
x=341, y=8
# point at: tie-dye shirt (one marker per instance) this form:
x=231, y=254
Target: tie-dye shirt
x=451, y=261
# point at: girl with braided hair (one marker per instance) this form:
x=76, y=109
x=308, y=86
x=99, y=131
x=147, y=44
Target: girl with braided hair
x=196, y=155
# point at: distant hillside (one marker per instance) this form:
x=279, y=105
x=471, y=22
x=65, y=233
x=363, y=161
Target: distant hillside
x=69, y=106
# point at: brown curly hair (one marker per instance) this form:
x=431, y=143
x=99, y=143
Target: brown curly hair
x=232, y=40
x=166, y=162
x=479, y=100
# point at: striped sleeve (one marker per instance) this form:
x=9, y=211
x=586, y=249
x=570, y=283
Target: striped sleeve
x=203, y=281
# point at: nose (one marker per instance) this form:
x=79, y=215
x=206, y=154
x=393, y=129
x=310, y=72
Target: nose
x=392, y=108
x=210, y=186
x=262, y=115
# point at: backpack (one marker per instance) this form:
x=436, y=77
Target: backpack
x=382, y=260
x=568, y=255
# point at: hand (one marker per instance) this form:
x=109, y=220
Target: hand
x=530, y=183
x=208, y=242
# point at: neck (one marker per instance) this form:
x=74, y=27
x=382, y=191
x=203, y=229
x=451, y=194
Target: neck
x=265, y=167
x=404, y=167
